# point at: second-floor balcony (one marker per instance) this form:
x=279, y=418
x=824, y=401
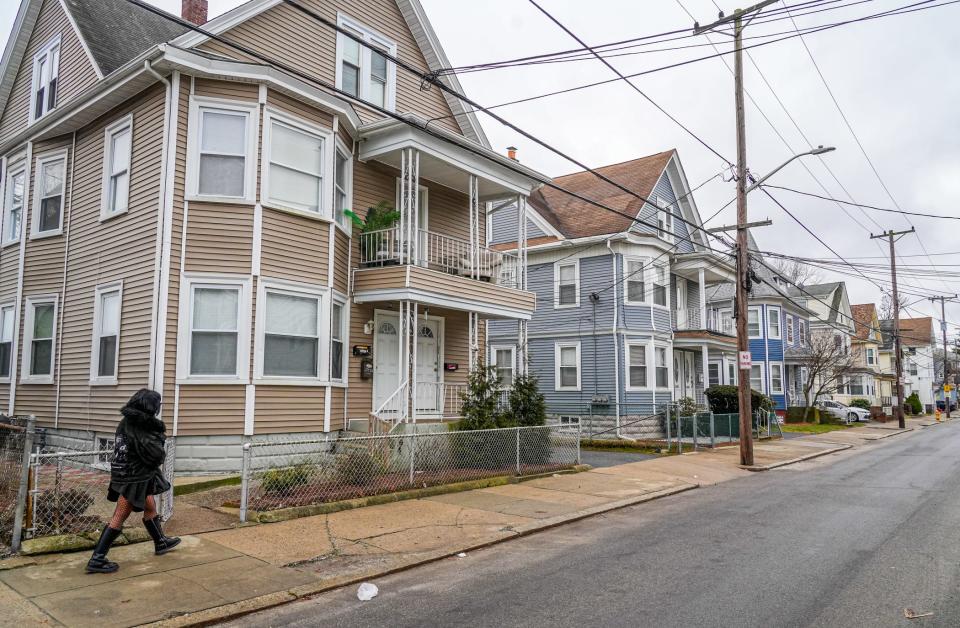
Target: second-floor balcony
x=441, y=253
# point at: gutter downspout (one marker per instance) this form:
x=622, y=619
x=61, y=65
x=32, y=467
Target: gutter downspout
x=18, y=317
x=616, y=340
x=63, y=284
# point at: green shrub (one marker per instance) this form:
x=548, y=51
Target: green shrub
x=913, y=404
x=359, y=467
x=687, y=407
x=724, y=400
x=285, y=480
x=527, y=405
x=802, y=414
x=481, y=400
x=860, y=403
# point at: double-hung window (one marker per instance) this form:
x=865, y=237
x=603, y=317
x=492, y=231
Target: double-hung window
x=13, y=205
x=660, y=285
x=118, y=145
x=567, y=282
x=223, y=144
x=567, y=360
x=39, y=340
x=7, y=313
x=338, y=323
x=633, y=279
x=106, y=334
x=662, y=366
x=291, y=337
x=756, y=378
x=342, y=185
x=46, y=68
x=871, y=356
x=753, y=323
x=776, y=379
x=504, y=362
x=637, y=366
x=802, y=332
x=214, y=329
x=295, y=169
x=773, y=323
x=363, y=70
x=664, y=220
x=713, y=374
x=48, y=197
x=790, y=329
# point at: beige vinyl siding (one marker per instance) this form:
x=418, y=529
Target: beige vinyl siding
x=338, y=400
x=301, y=110
x=211, y=410
x=341, y=252
x=289, y=409
x=360, y=392
x=76, y=73
x=121, y=248
x=280, y=32
x=226, y=89
x=219, y=238
x=294, y=247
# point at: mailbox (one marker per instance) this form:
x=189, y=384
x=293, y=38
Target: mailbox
x=366, y=368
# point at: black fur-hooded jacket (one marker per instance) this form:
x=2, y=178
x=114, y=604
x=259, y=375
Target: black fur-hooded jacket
x=139, y=449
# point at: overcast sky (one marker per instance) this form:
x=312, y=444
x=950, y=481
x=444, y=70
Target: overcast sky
x=895, y=79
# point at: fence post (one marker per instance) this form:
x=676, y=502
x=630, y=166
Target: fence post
x=729, y=429
x=713, y=431
x=579, y=434
x=517, y=431
x=413, y=456
x=244, y=482
x=696, y=428
x=24, y=481
x=679, y=433
x=666, y=421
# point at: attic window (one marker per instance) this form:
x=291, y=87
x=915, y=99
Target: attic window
x=46, y=67
x=664, y=220
x=362, y=66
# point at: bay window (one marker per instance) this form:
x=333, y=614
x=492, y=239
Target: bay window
x=291, y=343
x=637, y=366
x=567, y=360
x=295, y=165
x=342, y=185
x=214, y=329
x=106, y=334
x=662, y=367
x=223, y=141
x=660, y=281
x=773, y=323
x=338, y=323
x=363, y=69
x=753, y=323
x=48, y=197
x=633, y=278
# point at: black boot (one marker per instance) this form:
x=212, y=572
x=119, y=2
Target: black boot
x=161, y=544
x=98, y=563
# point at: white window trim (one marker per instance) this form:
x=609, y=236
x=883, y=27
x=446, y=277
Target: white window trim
x=790, y=333
x=556, y=366
x=323, y=339
x=340, y=145
x=252, y=109
x=55, y=42
x=343, y=302
x=663, y=209
x=763, y=377
x=651, y=282
x=371, y=37
x=25, y=376
x=123, y=124
x=12, y=306
x=185, y=319
x=18, y=169
x=39, y=162
x=270, y=116
x=802, y=333
x=759, y=322
x=774, y=391
x=644, y=262
x=513, y=358
x=556, y=284
x=95, y=379
x=770, y=317
x=669, y=365
x=649, y=356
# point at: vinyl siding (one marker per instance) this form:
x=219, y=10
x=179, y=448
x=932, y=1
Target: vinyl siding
x=504, y=227
x=280, y=32
x=596, y=377
x=648, y=214
x=341, y=262
x=595, y=273
x=211, y=410
x=219, y=238
x=294, y=247
x=75, y=74
x=281, y=409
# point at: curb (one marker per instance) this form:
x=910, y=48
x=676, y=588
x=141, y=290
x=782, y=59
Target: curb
x=776, y=465
x=234, y=610
x=891, y=434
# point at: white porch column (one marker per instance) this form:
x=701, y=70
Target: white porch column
x=706, y=363
x=408, y=229
x=474, y=227
x=703, y=302
x=473, y=339
x=520, y=280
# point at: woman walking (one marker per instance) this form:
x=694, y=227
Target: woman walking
x=135, y=477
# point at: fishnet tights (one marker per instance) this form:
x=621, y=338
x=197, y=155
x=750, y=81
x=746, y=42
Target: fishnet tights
x=124, y=508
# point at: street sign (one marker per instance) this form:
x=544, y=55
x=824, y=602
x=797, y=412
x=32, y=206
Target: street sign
x=948, y=388
x=746, y=360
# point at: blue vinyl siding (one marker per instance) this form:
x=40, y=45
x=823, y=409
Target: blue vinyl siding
x=596, y=273
x=648, y=214
x=596, y=372
x=504, y=227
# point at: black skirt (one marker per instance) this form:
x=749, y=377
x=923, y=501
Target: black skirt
x=136, y=492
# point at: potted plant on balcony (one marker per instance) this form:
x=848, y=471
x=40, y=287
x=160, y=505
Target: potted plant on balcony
x=377, y=243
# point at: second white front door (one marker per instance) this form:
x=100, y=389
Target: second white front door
x=386, y=358
x=429, y=388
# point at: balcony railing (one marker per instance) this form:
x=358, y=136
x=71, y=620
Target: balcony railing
x=689, y=320
x=439, y=252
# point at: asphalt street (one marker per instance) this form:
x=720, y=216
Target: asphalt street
x=850, y=539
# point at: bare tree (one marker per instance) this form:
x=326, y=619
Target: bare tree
x=828, y=359
x=796, y=272
x=886, y=305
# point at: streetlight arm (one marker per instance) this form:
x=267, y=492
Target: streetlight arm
x=816, y=151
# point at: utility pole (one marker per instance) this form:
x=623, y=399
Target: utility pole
x=897, y=345
x=743, y=259
x=946, y=357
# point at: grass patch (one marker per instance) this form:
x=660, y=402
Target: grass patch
x=813, y=428
x=639, y=447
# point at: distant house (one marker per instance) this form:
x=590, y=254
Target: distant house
x=864, y=380
x=622, y=324
x=919, y=374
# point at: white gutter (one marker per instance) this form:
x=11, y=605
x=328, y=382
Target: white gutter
x=616, y=339
x=63, y=281
x=15, y=358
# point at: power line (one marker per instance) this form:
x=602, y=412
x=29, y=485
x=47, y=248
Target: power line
x=879, y=209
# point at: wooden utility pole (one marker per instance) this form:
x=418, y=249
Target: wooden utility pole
x=743, y=258
x=897, y=345
x=946, y=357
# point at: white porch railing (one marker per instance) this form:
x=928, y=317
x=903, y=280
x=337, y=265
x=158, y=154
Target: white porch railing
x=394, y=409
x=443, y=253
x=439, y=399
x=690, y=320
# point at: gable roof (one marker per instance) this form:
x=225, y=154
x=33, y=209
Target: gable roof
x=830, y=294
x=116, y=31
x=913, y=332
x=863, y=317
x=576, y=218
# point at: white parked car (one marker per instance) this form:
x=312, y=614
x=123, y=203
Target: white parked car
x=849, y=414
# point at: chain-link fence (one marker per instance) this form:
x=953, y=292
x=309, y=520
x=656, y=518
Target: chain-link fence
x=282, y=474
x=16, y=436
x=68, y=491
x=706, y=429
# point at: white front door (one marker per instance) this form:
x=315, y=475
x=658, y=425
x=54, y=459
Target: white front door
x=681, y=304
x=386, y=358
x=429, y=389
x=689, y=376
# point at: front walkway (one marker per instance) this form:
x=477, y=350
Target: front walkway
x=220, y=574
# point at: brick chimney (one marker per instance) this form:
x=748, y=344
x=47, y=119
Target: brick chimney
x=194, y=11
x=512, y=152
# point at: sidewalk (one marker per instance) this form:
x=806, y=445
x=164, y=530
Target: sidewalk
x=221, y=574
